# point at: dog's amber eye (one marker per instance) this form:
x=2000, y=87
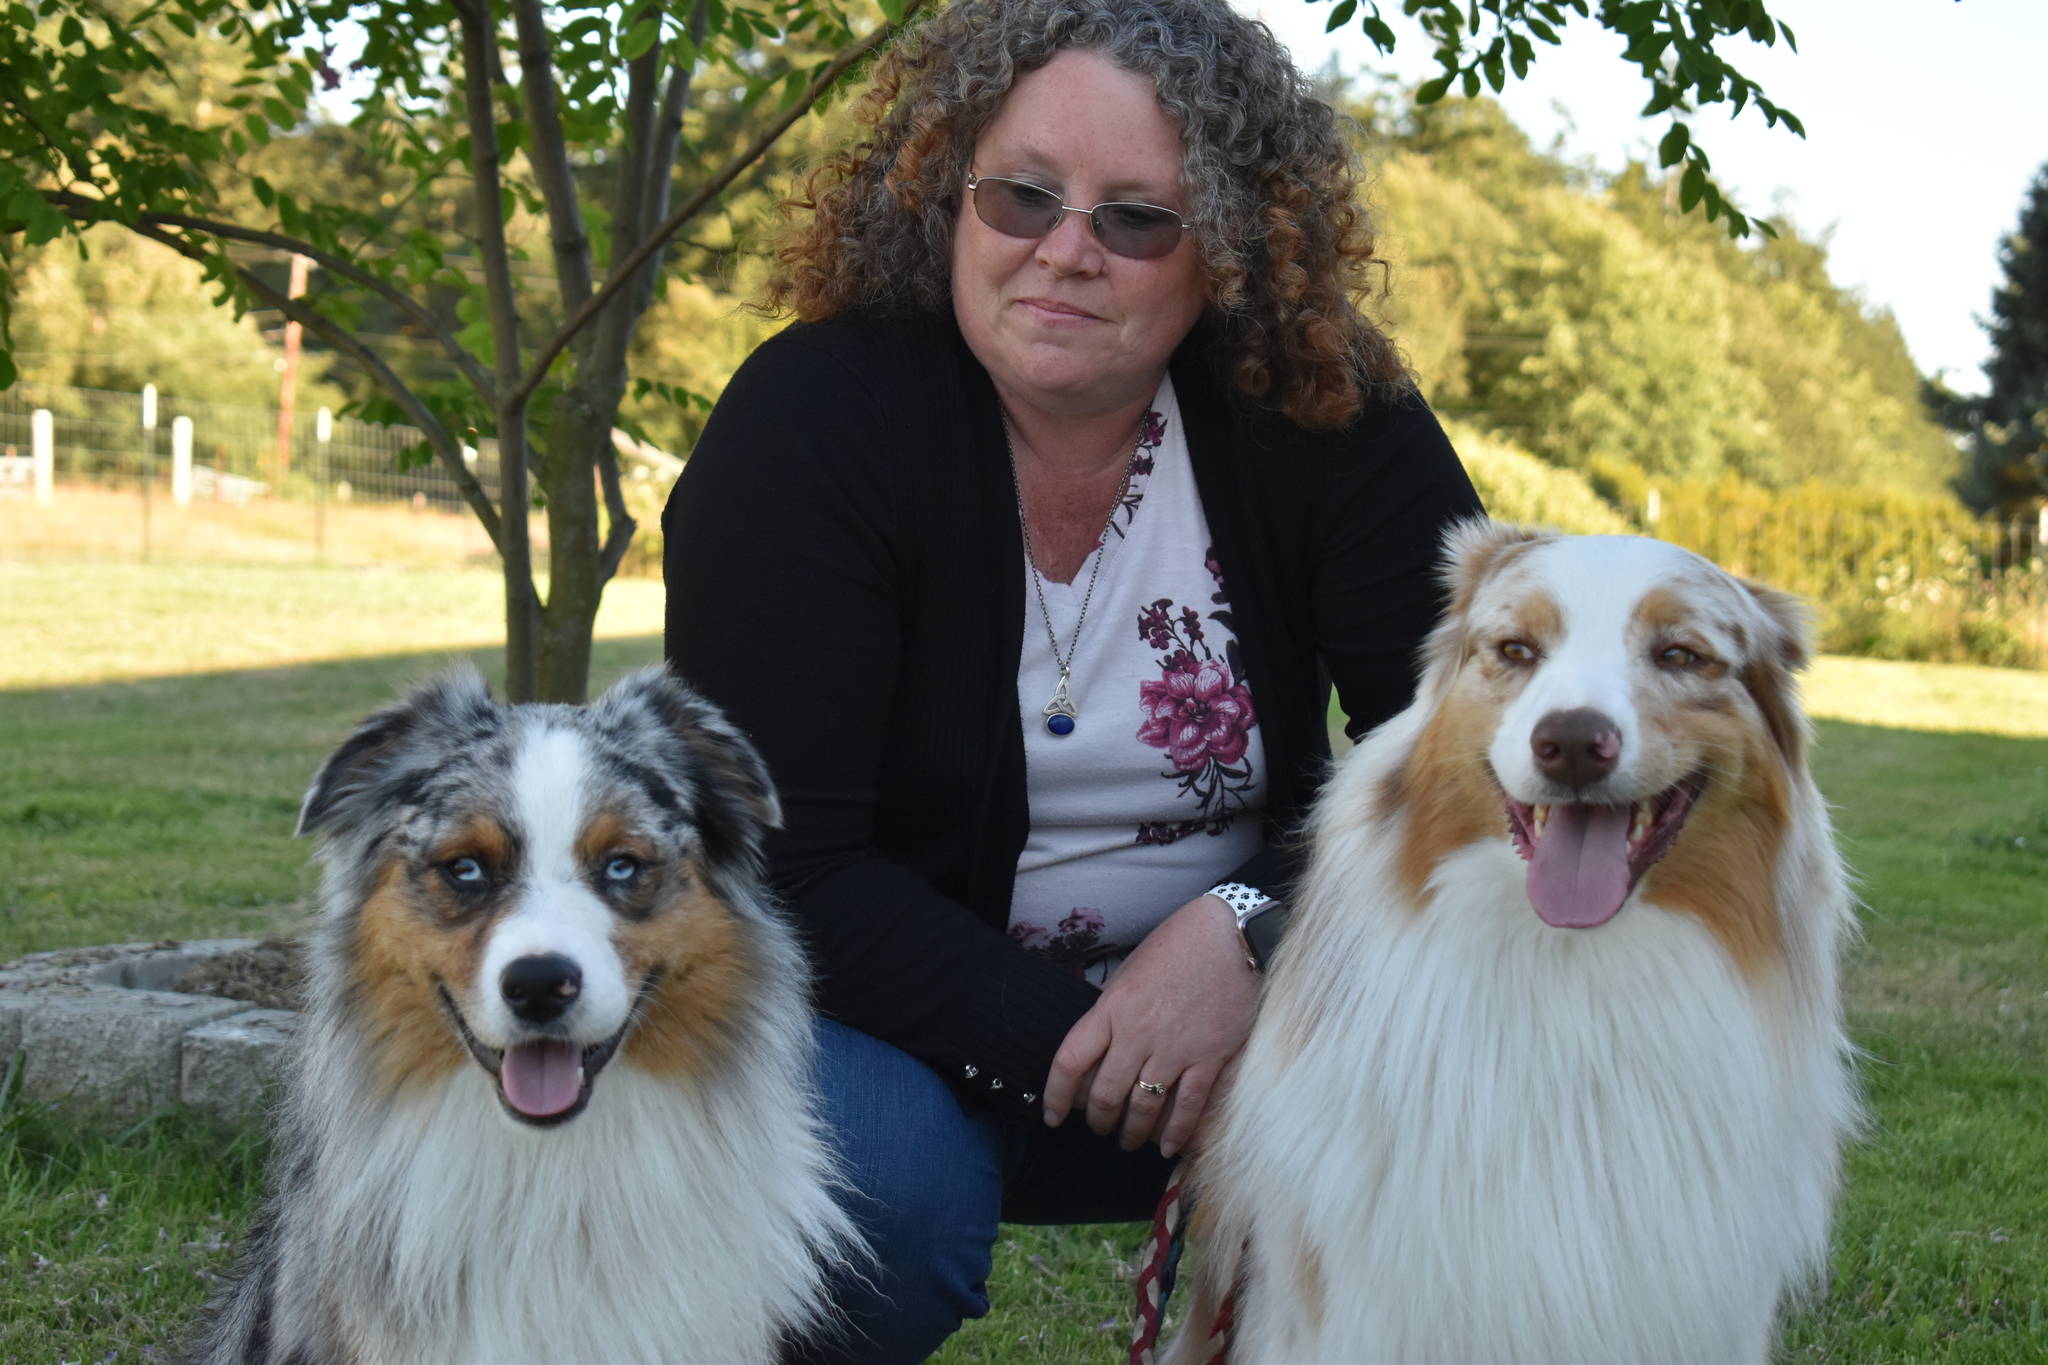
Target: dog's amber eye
x=466, y=874
x=1518, y=652
x=1677, y=656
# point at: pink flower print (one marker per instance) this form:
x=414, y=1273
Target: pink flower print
x=1196, y=714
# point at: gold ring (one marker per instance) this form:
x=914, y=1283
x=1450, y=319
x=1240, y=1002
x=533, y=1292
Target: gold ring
x=1151, y=1088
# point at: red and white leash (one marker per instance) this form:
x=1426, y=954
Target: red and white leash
x=1159, y=1267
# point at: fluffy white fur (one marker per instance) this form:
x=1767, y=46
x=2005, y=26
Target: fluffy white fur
x=687, y=1216
x=1460, y=1134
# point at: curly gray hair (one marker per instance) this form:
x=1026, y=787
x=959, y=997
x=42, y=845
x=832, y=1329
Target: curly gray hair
x=1270, y=182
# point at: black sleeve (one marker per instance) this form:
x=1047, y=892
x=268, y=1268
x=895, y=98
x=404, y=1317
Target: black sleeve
x=1377, y=593
x=1377, y=506
x=786, y=567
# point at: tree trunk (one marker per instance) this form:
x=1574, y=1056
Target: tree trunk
x=577, y=429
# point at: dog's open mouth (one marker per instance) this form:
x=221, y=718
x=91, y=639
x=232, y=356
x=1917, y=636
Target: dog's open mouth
x=546, y=1081
x=1585, y=859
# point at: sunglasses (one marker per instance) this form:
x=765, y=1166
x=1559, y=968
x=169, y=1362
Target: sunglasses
x=1017, y=209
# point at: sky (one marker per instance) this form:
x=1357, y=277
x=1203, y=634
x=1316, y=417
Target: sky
x=1925, y=122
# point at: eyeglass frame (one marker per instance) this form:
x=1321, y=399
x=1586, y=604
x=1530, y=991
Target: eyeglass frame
x=975, y=181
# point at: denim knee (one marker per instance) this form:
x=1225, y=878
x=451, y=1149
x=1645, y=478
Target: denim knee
x=927, y=1189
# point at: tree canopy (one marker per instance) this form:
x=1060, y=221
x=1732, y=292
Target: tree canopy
x=497, y=221
x=2007, y=428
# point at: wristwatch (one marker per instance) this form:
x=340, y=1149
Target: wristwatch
x=1261, y=920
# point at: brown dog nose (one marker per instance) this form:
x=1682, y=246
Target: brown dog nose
x=1576, y=748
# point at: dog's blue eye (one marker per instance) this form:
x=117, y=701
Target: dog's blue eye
x=1677, y=656
x=621, y=868
x=465, y=872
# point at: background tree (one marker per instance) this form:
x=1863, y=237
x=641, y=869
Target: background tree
x=540, y=130
x=514, y=172
x=2007, y=428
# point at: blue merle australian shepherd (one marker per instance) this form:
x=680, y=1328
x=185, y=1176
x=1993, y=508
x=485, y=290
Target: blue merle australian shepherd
x=552, y=1098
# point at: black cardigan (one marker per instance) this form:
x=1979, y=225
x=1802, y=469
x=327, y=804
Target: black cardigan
x=845, y=578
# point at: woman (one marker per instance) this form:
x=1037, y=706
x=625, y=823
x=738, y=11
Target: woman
x=1027, y=558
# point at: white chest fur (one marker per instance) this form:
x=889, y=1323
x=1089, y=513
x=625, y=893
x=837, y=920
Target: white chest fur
x=639, y=1233
x=1509, y=1142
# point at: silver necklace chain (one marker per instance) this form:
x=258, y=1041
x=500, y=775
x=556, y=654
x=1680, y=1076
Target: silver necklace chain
x=1061, y=707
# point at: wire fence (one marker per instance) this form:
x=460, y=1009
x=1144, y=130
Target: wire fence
x=85, y=471
x=88, y=472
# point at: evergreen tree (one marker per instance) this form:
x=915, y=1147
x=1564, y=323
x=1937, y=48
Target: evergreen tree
x=2008, y=427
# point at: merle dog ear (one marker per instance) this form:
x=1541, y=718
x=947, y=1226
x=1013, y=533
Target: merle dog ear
x=1472, y=549
x=733, y=804
x=368, y=758
x=1785, y=647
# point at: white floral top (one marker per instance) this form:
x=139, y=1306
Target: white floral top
x=1159, y=791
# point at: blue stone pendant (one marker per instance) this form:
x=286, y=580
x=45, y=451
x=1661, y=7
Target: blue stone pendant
x=1059, y=713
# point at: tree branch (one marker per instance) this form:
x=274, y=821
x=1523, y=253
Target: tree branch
x=550, y=155
x=522, y=617
x=446, y=448
x=81, y=207
x=622, y=271
x=619, y=538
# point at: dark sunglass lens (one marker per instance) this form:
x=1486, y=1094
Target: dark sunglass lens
x=1139, y=230
x=1014, y=208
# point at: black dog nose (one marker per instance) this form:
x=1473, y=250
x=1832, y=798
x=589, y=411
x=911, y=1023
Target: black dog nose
x=1576, y=748
x=539, y=988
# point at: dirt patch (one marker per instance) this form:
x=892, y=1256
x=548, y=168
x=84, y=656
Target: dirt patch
x=271, y=974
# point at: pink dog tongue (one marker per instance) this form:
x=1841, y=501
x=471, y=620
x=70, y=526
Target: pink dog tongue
x=541, y=1078
x=1578, y=871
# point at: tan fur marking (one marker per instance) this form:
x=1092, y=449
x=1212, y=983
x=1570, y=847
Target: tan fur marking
x=1475, y=561
x=1453, y=799
x=1538, y=618
x=400, y=953
x=1722, y=870
x=478, y=837
x=608, y=833
x=694, y=940
x=1662, y=610
x=1313, y=1284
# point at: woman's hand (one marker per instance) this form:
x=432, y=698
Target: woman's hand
x=1175, y=1013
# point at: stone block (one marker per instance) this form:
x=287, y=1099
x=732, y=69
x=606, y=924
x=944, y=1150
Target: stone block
x=232, y=1068
x=111, y=1052
x=158, y=968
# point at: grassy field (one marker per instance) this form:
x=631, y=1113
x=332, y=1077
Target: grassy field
x=157, y=726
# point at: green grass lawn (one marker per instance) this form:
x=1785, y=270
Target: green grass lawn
x=157, y=727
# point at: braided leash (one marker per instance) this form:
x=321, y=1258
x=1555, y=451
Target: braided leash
x=1160, y=1261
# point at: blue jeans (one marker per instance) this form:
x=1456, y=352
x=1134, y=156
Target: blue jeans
x=931, y=1182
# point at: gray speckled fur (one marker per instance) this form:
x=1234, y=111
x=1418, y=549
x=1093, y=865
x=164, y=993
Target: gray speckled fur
x=331, y=1267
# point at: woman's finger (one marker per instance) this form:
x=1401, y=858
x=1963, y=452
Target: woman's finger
x=1079, y=1053
x=1190, y=1101
x=1146, y=1107
x=1116, y=1081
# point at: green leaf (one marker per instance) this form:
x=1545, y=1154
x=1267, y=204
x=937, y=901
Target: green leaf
x=1341, y=15
x=1471, y=83
x=1430, y=91
x=1673, y=145
x=6, y=370
x=1381, y=33
x=1690, y=186
x=1496, y=76
x=892, y=10
x=639, y=38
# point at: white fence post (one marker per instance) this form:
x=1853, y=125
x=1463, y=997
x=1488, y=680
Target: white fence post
x=42, y=443
x=181, y=461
